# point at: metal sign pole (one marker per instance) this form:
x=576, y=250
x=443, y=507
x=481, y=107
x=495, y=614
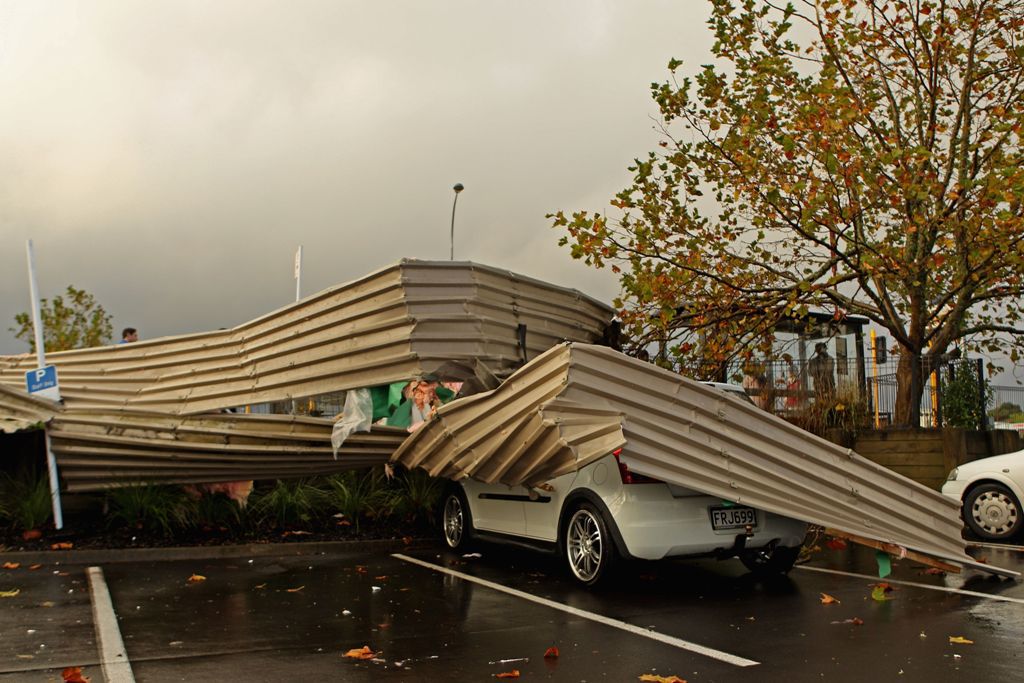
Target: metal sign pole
x=37, y=324
x=298, y=273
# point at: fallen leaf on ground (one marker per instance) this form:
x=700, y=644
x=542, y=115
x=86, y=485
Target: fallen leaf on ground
x=363, y=652
x=836, y=544
x=344, y=522
x=360, y=569
x=73, y=674
x=406, y=540
x=296, y=533
x=380, y=578
x=551, y=653
x=514, y=673
x=196, y=578
x=652, y=678
x=32, y=534
x=294, y=590
x=880, y=592
x=47, y=604
x=827, y=599
x=260, y=585
x=25, y=656
x=856, y=621
x=10, y=594
x=11, y=565
x=960, y=640
x=35, y=567
x=63, y=545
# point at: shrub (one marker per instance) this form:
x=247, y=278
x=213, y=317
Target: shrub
x=25, y=499
x=289, y=502
x=419, y=493
x=965, y=396
x=156, y=508
x=845, y=410
x=361, y=494
x=218, y=511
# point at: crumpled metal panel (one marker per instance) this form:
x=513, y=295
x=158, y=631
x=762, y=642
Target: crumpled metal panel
x=397, y=323
x=19, y=410
x=98, y=449
x=684, y=433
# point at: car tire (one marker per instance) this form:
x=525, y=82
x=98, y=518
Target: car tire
x=456, y=520
x=771, y=560
x=587, y=545
x=992, y=512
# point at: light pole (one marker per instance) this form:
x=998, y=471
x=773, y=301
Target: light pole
x=451, y=252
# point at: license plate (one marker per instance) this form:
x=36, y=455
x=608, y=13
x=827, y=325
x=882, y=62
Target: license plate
x=732, y=518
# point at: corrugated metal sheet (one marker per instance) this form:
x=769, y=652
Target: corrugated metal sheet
x=395, y=324
x=97, y=449
x=19, y=410
x=577, y=402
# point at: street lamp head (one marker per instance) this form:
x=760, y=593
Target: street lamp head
x=458, y=188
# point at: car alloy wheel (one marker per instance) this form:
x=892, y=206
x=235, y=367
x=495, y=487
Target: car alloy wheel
x=992, y=512
x=454, y=521
x=588, y=547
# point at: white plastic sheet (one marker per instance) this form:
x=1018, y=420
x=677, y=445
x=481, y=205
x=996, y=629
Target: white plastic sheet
x=356, y=417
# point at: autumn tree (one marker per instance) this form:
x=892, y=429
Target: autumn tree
x=849, y=156
x=71, y=321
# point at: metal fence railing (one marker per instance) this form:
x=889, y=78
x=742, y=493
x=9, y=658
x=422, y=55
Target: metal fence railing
x=953, y=391
x=1007, y=407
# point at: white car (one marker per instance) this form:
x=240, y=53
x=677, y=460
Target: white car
x=604, y=512
x=990, y=491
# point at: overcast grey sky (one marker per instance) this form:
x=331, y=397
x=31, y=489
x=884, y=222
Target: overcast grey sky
x=169, y=157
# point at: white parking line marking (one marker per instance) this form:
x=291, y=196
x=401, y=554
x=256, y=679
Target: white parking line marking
x=113, y=658
x=943, y=589
x=735, y=660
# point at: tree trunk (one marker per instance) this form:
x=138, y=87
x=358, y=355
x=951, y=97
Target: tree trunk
x=908, y=391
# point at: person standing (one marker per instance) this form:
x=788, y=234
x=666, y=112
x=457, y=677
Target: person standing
x=129, y=335
x=822, y=369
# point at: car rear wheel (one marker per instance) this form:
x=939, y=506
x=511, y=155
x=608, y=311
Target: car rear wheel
x=456, y=521
x=589, y=549
x=992, y=512
x=770, y=560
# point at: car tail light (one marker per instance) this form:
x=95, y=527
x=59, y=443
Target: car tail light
x=631, y=477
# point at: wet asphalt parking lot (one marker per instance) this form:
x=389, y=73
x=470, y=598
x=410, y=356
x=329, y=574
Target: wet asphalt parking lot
x=430, y=615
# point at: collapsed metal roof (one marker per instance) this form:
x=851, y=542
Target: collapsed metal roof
x=397, y=323
x=98, y=449
x=577, y=402
x=19, y=410
x=151, y=411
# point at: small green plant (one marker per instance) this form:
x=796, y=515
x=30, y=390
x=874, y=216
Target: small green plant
x=25, y=499
x=418, y=494
x=217, y=511
x=156, y=508
x=289, y=502
x=965, y=396
x=360, y=494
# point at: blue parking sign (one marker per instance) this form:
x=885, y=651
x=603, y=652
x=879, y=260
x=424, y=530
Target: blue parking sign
x=42, y=382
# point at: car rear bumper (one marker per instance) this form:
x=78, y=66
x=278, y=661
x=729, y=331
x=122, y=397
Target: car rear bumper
x=654, y=526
